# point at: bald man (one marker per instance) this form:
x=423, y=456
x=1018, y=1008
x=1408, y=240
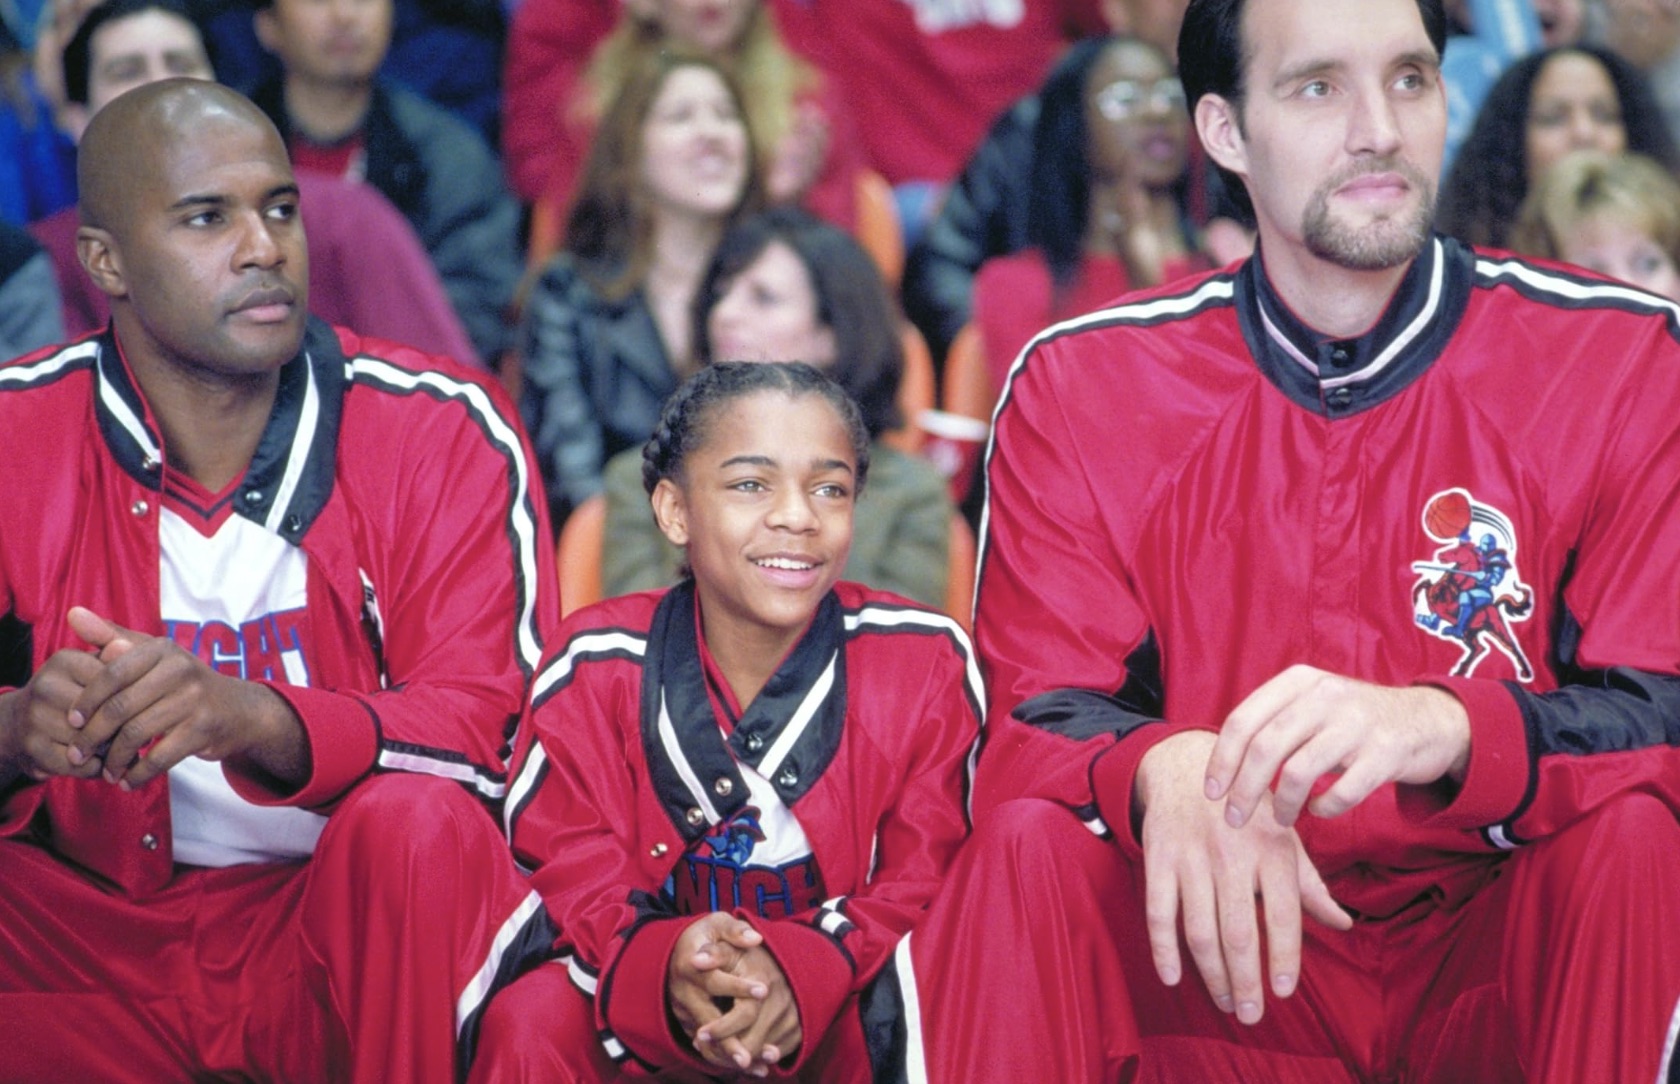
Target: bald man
x=282, y=591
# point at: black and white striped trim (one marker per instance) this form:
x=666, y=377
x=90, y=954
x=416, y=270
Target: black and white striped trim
x=832, y=921
x=1498, y=835
x=444, y=763
x=1569, y=290
x=525, y=939
x=1092, y=819
x=679, y=762
x=522, y=520
x=610, y=643
x=889, y=618
x=1668, y=1069
x=524, y=787
x=550, y=680
x=771, y=763
x=615, y=1049
x=584, y=977
x=298, y=457
x=1211, y=293
x=50, y=368
x=1414, y=330
x=480, y=986
x=144, y=448
x=915, y=1056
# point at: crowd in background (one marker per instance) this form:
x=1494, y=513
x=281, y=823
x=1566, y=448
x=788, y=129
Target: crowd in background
x=592, y=197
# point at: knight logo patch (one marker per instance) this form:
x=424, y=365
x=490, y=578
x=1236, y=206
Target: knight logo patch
x=1469, y=591
x=719, y=874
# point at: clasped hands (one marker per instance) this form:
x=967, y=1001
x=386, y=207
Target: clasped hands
x=730, y=997
x=134, y=706
x=1219, y=812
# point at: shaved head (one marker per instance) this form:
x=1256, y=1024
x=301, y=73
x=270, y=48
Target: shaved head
x=190, y=226
x=125, y=141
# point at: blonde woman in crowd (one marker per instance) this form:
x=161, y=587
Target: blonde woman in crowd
x=1618, y=215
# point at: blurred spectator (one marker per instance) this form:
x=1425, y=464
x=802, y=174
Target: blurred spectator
x=338, y=117
x=784, y=286
x=1546, y=105
x=984, y=212
x=28, y=296
x=549, y=44
x=926, y=77
x=37, y=160
x=1647, y=33
x=607, y=333
x=367, y=269
x=808, y=145
x=448, y=51
x=1110, y=151
x=1486, y=36
x=1618, y=215
x=20, y=20
x=1153, y=21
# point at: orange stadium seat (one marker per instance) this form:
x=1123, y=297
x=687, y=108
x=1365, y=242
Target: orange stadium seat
x=968, y=379
x=878, y=228
x=915, y=391
x=961, y=567
x=578, y=556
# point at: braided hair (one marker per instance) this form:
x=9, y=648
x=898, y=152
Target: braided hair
x=685, y=421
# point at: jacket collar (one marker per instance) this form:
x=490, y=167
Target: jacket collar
x=788, y=734
x=1339, y=377
x=291, y=473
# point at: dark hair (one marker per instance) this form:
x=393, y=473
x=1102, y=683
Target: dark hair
x=1059, y=196
x=1213, y=59
x=685, y=421
x=852, y=302
x=611, y=225
x=78, y=51
x=1489, y=178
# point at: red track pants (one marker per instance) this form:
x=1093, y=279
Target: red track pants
x=361, y=964
x=1564, y=968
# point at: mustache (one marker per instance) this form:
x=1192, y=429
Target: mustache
x=1386, y=164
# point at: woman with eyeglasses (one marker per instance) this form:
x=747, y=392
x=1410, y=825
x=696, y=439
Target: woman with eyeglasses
x=1110, y=160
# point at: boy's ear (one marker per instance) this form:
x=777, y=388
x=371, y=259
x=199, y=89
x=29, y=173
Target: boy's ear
x=670, y=511
x=100, y=259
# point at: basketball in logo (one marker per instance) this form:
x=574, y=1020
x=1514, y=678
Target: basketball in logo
x=1447, y=515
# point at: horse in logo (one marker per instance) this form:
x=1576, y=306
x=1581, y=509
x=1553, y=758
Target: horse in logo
x=1469, y=591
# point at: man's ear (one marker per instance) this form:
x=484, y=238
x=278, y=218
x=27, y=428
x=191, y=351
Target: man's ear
x=670, y=511
x=1221, y=133
x=100, y=259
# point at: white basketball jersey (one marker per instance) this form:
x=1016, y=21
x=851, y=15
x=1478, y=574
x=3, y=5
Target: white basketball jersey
x=236, y=596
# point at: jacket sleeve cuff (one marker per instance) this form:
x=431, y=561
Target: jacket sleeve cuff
x=343, y=738
x=1114, y=779
x=819, y=972
x=1499, y=771
x=631, y=996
